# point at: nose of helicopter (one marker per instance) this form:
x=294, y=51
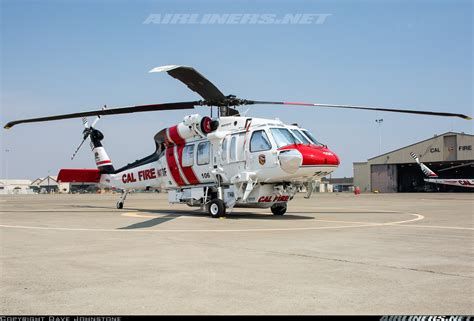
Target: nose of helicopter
x=318, y=155
x=293, y=156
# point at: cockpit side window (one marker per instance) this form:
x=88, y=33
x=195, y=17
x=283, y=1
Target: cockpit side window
x=259, y=141
x=300, y=136
x=283, y=137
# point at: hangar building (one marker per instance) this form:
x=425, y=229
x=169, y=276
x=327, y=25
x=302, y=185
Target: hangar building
x=397, y=171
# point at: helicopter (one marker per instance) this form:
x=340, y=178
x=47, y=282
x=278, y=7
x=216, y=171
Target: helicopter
x=215, y=163
x=432, y=177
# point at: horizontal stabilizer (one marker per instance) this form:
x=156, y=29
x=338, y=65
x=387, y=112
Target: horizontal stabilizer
x=79, y=175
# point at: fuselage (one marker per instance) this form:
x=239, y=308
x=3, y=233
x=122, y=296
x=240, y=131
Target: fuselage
x=241, y=150
x=462, y=182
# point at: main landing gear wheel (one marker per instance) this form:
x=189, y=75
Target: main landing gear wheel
x=119, y=205
x=217, y=208
x=278, y=209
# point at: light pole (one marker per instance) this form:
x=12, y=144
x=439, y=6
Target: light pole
x=49, y=188
x=380, y=121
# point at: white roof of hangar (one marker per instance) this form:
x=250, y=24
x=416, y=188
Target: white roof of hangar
x=420, y=142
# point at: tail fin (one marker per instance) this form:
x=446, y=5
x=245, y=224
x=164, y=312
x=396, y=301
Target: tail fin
x=102, y=160
x=428, y=172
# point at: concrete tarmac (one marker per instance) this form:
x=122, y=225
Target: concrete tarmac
x=333, y=254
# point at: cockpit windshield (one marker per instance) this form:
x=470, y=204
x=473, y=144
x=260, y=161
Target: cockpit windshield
x=302, y=138
x=311, y=137
x=283, y=137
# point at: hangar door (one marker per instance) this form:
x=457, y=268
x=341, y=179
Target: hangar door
x=384, y=178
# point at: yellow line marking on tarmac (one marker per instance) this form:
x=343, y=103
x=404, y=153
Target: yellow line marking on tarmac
x=133, y=214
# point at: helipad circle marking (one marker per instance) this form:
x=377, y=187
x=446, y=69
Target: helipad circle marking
x=418, y=217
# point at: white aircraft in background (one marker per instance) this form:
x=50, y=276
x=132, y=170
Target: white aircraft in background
x=432, y=177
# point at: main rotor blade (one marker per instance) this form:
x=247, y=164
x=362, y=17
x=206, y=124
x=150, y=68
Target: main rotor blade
x=114, y=111
x=194, y=80
x=406, y=111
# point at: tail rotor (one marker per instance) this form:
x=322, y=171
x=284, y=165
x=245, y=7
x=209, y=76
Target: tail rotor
x=417, y=160
x=425, y=169
x=87, y=132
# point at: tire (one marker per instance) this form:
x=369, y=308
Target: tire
x=119, y=205
x=278, y=209
x=216, y=208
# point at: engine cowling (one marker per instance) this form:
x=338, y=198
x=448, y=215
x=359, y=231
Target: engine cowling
x=191, y=126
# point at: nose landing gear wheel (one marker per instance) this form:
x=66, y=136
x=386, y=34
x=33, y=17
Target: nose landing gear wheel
x=278, y=209
x=119, y=205
x=216, y=208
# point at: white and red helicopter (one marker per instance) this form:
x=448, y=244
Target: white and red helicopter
x=216, y=163
x=432, y=177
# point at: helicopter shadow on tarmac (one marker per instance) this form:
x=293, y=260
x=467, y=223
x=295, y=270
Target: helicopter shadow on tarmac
x=173, y=214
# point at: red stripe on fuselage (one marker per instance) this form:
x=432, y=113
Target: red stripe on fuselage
x=173, y=166
x=168, y=142
x=174, y=135
x=187, y=171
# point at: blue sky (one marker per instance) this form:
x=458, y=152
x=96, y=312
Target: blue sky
x=68, y=56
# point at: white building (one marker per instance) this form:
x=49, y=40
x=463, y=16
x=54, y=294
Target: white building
x=49, y=184
x=15, y=186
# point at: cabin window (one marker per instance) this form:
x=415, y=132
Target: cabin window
x=224, y=150
x=188, y=156
x=259, y=141
x=203, y=153
x=233, y=146
x=236, y=150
